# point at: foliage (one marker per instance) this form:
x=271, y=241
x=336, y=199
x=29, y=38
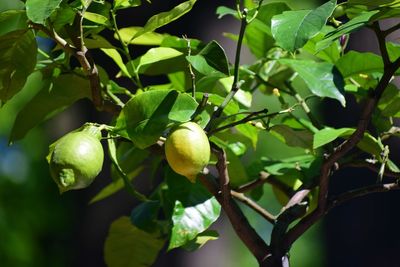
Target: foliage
x=300, y=55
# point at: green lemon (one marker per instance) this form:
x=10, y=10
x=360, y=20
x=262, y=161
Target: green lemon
x=77, y=159
x=187, y=150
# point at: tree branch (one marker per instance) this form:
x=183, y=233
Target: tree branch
x=239, y=222
x=377, y=188
x=254, y=206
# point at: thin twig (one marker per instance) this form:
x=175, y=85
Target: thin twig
x=235, y=85
x=254, y=184
x=254, y=206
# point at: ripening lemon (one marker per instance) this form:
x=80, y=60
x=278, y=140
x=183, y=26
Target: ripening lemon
x=187, y=150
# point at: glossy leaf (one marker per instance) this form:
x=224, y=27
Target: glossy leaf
x=149, y=114
x=54, y=97
x=148, y=38
x=165, y=18
x=354, y=62
x=195, y=209
x=321, y=78
x=292, y=29
x=17, y=61
x=39, y=10
x=211, y=59
x=128, y=246
x=349, y=27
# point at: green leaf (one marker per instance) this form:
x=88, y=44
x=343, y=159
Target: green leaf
x=148, y=115
x=121, y=4
x=148, y=38
x=292, y=29
x=368, y=143
x=195, y=209
x=354, y=62
x=211, y=59
x=349, y=27
x=114, y=55
x=393, y=50
x=160, y=60
x=200, y=240
x=165, y=18
x=97, y=18
x=296, y=138
x=17, y=61
x=321, y=78
x=12, y=20
x=39, y=10
x=128, y=246
x=54, y=97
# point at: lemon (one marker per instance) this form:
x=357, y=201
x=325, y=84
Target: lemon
x=187, y=150
x=77, y=159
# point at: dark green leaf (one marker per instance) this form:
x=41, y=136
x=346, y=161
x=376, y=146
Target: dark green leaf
x=297, y=138
x=144, y=215
x=149, y=114
x=321, y=78
x=39, y=10
x=281, y=167
x=17, y=61
x=165, y=18
x=292, y=29
x=211, y=59
x=128, y=246
x=54, y=97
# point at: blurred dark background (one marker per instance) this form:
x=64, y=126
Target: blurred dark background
x=40, y=227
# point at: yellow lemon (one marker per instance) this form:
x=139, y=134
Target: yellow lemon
x=187, y=150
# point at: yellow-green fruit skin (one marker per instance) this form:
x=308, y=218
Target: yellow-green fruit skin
x=187, y=150
x=76, y=160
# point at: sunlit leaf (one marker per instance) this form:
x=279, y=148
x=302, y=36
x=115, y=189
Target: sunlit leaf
x=292, y=29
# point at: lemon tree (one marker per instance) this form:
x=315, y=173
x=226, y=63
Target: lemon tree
x=218, y=133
